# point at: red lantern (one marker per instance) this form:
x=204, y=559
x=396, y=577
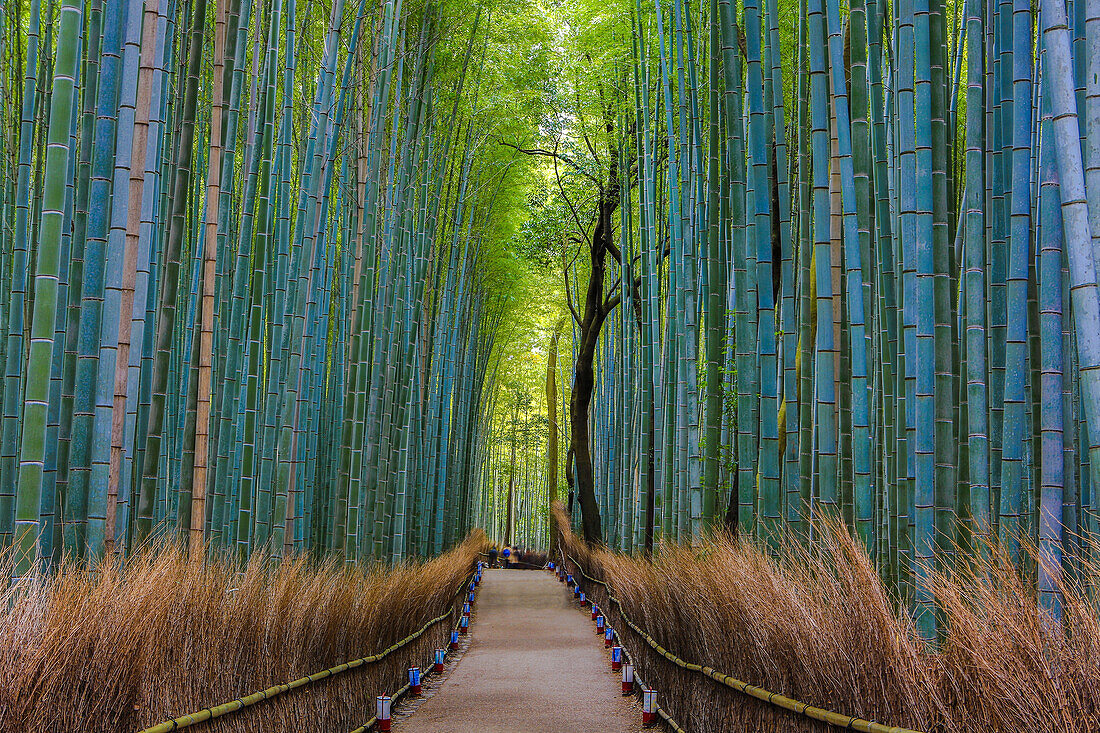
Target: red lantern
x=382, y=712
x=628, y=679
x=649, y=708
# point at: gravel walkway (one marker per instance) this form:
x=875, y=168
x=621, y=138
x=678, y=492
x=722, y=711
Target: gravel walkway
x=534, y=664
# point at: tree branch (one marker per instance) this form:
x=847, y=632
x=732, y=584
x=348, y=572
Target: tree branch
x=565, y=196
x=555, y=155
x=568, y=292
x=614, y=250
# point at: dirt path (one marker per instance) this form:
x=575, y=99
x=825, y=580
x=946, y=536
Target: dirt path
x=534, y=665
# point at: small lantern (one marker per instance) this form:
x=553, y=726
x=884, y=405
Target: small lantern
x=464, y=625
x=649, y=708
x=599, y=624
x=440, y=657
x=595, y=611
x=584, y=602
x=414, y=680
x=470, y=597
x=382, y=712
x=454, y=639
x=576, y=591
x=628, y=679
x=616, y=658
x=608, y=636
x=466, y=609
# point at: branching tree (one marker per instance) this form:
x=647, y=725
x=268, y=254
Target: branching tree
x=585, y=196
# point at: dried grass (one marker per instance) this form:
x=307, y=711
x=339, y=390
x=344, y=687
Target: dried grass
x=818, y=625
x=132, y=645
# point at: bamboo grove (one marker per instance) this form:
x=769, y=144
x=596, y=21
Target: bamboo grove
x=523, y=466
x=859, y=247
x=258, y=266
x=250, y=296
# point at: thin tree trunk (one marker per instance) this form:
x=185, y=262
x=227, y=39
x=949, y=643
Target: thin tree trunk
x=552, y=412
x=209, y=281
x=166, y=310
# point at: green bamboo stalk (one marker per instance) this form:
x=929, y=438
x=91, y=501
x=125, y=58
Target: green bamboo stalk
x=33, y=437
x=170, y=280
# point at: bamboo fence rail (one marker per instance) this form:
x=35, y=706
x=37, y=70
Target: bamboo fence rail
x=835, y=719
x=217, y=711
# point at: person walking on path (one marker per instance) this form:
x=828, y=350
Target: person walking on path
x=493, y=556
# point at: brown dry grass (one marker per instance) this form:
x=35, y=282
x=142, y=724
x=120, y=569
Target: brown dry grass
x=133, y=645
x=819, y=626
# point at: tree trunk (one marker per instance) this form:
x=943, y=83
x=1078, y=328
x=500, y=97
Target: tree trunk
x=510, y=514
x=552, y=412
x=206, y=307
x=169, y=282
x=129, y=266
x=595, y=311
x=569, y=479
